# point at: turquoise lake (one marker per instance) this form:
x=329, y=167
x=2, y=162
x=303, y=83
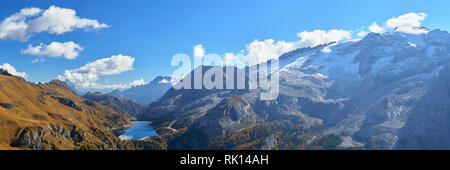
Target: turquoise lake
x=139, y=130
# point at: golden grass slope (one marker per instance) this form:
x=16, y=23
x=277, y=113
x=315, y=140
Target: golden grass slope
x=51, y=116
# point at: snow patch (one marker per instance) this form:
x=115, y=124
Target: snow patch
x=349, y=142
x=326, y=50
x=125, y=137
x=163, y=81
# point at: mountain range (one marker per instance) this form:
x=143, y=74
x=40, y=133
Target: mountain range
x=385, y=91
x=52, y=116
x=120, y=105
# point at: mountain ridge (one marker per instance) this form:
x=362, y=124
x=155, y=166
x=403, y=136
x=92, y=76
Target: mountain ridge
x=363, y=91
x=120, y=105
x=51, y=116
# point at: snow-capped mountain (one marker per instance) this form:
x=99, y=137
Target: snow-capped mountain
x=362, y=90
x=146, y=93
x=384, y=75
x=389, y=55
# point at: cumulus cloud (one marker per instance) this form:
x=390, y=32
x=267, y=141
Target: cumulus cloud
x=55, y=20
x=407, y=20
x=317, y=37
x=238, y=60
x=362, y=33
x=109, y=66
x=199, y=51
x=408, y=23
x=68, y=50
x=261, y=51
x=326, y=50
x=88, y=75
x=15, y=27
x=139, y=82
x=11, y=70
x=375, y=28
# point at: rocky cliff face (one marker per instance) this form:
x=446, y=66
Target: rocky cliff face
x=51, y=116
x=363, y=91
x=428, y=125
x=120, y=105
x=232, y=114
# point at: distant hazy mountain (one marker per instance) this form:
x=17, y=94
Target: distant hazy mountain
x=147, y=93
x=369, y=93
x=73, y=88
x=120, y=105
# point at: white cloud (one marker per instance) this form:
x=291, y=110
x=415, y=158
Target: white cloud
x=260, y=51
x=408, y=23
x=407, y=20
x=326, y=50
x=28, y=12
x=362, y=33
x=15, y=27
x=57, y=20
x=238, y=60
x=109, y=66
x=22, y=25
x=199, y=51
x=68, y=50
x=375, y=28
x=139, y=82
x=318, y=37
x=163, y=81
x=88, y=75
x=11, y=70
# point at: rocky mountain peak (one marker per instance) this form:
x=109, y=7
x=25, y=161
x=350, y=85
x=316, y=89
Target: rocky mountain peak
x=5, y=72
x=147, y=93
x=362, y=90
x=59, y=83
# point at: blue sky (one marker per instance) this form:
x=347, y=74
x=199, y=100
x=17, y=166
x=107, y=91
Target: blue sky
x=153, y=31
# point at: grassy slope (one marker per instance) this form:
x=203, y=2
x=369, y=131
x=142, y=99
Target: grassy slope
x=34, y=106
